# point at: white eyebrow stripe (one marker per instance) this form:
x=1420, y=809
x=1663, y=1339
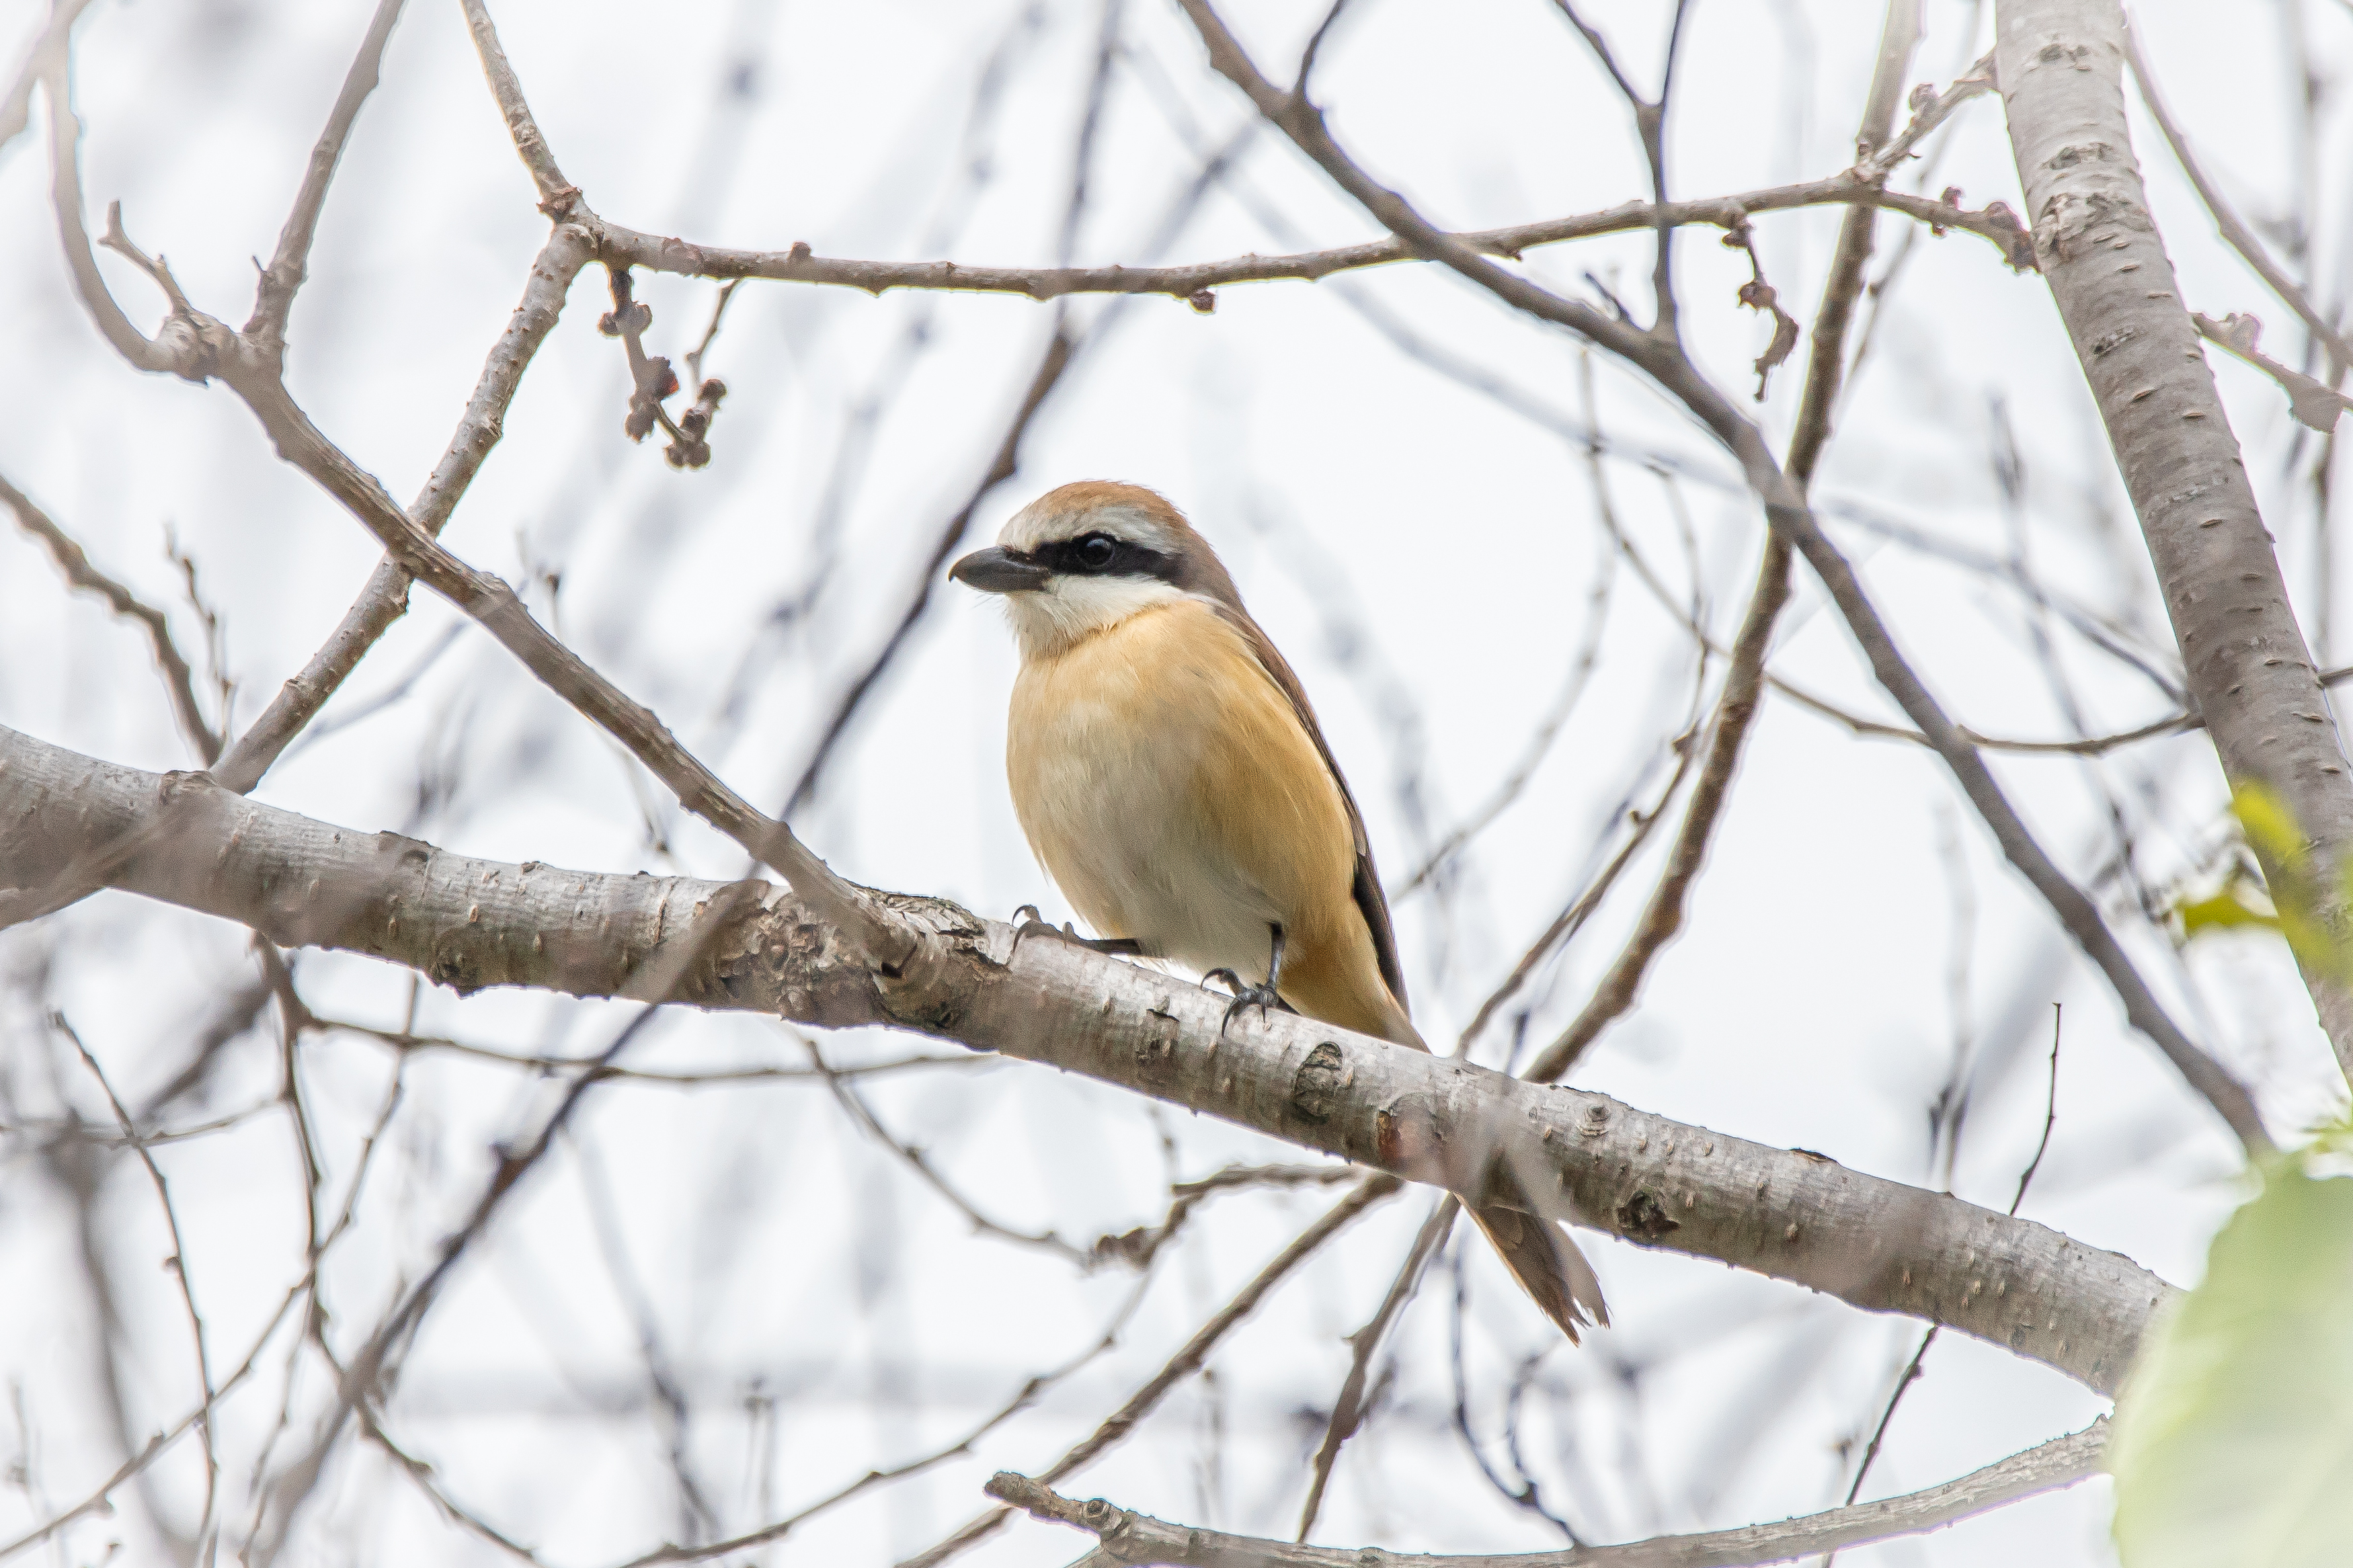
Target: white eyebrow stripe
x=1036, y=525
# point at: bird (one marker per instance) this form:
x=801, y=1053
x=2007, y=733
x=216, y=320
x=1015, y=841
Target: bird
x=1170, y=775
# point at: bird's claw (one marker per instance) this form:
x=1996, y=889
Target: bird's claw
x=1265, y=998
x=1037, y=925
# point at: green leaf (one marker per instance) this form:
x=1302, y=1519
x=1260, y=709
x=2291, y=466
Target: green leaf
x=2226, y=910
x=2234, y=1443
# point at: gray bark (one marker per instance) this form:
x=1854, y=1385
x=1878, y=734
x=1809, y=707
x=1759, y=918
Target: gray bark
x=2061, y=64
x=1129, y=1537
x=467, y=924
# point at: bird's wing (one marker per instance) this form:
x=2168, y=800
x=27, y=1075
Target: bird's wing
x=1371, y=903
x=1540, y=1255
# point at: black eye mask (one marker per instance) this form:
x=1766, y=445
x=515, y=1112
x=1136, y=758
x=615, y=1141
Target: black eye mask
x=1107, y=556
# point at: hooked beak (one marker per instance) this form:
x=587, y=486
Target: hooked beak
x=998, y=570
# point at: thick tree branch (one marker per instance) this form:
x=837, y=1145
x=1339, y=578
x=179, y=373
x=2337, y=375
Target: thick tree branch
x=1130, y=1537
x=468, y=922
x=2251, y=673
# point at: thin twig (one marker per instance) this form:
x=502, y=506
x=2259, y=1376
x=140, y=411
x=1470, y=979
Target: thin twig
x=179, y=680
x=2241, y=237
x=1348, y=1409
x=16, y=104
x=1651, y=125
x=1524, y=1496
x=360, y=1380
x=1056, y=358
x=197, y=346
x=913, y=1158
x=137, y=1465
x=1581, y=665
x=1140, y=1538
x=1995, y=224
x=1571, y=919
x=1662, y=917
x=1183, y=1364
x=178, y=1266
x=1137, y=1247
x=1911, y=1372
x=1023, y=1397
x=557, y=194
x=283, y=279
x=1785, y=509
x=1735, y=708
x=2314, y=402
x=406, y=1043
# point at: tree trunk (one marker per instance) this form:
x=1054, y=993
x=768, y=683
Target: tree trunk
x=2061, y=64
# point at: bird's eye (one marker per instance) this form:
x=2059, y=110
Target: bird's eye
x=1096, y=551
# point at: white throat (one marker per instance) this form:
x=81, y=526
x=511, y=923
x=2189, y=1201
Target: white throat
x=1050, y=620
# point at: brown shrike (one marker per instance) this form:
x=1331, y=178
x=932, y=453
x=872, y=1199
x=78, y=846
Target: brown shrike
x=1171, y=778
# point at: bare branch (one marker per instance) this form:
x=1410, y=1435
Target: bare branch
x=1911, y=1371
x=1785, y=509
x=913, y=1158
x=1348, y=1409
x=1023, y=1397
x=1187, y=1361
x=49, y=46
x=557, y=194
x=467, y=922
x=799, y=264
x=98, y=1501
x=386, y=597
x=179, y=681
x=1736, y=708
x=283, y=279
x=1662, y=917
x=1929, y=110
x=2314, y=402
x=1651, y=125
x=1052, y=364
x=1131, y=1537
x=177, y=348
x=2241, y=237
x=1571, y=919
x=205, y=347
x=2251, y=673
x=176, y=1266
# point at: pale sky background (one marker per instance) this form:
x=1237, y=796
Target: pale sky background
x=1428, y=557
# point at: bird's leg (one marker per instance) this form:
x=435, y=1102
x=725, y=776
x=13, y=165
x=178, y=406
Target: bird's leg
x=1116, y=946
x=1261, y=997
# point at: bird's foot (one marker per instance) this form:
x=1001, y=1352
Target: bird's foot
x=1246, y=995
x=1036, y=925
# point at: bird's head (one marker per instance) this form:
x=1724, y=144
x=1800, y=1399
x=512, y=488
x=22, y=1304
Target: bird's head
x=1085, y=557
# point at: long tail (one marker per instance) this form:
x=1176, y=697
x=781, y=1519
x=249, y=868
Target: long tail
x=1537, y=1251
x=1548, y=1266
